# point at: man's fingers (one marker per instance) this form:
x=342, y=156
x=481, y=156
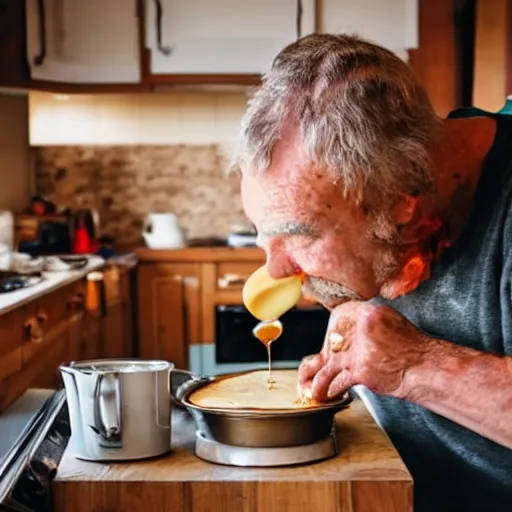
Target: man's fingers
x=309, y=367
x=338, y=385
x=323, y=380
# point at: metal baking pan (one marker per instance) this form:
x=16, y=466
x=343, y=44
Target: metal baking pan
x=262, y=428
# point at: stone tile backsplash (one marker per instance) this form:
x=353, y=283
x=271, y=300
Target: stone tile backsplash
x=124, y=183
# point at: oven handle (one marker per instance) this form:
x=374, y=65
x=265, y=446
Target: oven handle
x=240, y=308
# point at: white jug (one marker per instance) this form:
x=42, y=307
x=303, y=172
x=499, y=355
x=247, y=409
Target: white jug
x=162, y=231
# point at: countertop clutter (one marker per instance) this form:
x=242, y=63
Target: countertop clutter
x=51, y=281
x=366, y=476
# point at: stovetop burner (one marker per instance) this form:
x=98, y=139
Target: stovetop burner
x=229, y=455
x=11, y=281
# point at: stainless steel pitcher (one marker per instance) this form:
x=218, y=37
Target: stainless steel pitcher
x=119, y=409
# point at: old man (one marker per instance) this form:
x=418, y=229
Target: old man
x=401, y=222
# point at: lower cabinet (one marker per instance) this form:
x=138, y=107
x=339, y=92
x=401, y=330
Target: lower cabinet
x=46, y=373
x=41, y=335
x=117, y=326
x=59, y=327
x=169, y=298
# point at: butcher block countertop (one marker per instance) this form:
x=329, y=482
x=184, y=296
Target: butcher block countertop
x=366, y=476
x=200, y=254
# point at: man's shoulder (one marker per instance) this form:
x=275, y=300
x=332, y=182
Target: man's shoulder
x=493, y=200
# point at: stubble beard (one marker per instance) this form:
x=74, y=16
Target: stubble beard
x=387, y=269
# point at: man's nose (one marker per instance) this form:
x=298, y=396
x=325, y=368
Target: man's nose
x=280, y=264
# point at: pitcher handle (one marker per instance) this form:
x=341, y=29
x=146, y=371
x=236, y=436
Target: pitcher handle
x=179, y=378
x=146, y=225
x=107, y=409
x=163, y=398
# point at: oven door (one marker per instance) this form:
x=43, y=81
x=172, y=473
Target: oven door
x=235, y=349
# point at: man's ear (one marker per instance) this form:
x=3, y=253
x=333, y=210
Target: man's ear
x=404, y=210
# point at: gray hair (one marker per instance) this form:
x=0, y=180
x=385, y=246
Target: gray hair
x=360, y=112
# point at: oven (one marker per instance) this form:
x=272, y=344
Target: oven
x=235, y=349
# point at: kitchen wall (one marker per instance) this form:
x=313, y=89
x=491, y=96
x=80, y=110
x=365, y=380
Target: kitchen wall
x=127, y=155
x=14, y=153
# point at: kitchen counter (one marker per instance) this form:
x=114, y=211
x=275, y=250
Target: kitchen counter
x=367, y=476
x=52, y=281
x=200, y=254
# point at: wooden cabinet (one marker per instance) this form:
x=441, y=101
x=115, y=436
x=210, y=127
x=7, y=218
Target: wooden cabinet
x=11, y=340
x=128, y=45
x=390, y=23
x=492, y=73
x=83, y=42
x=37, y=337
x=178, y=294
x=169, y=310
x=46, y=373
x=90, y=337
x=42, y=334
x=117, y=329
x=13, y=67
x=67, y=324
x=234, y=37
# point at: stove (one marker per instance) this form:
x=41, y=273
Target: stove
x=229, y=455
x=29, y=460
x=11, y=281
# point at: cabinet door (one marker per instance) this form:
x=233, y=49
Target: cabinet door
x=89, y=41
x=76, y=337
x=91, y=335
x=117, y=325
x=113, y=333
x=222, y=37
x=493, y=55
x=389, y=23
x=169, y=315
x=40, y=372
x=12, y=42
x=48, y=374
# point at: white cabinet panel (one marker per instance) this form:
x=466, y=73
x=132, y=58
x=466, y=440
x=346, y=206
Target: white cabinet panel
x=87, y=41
x=389, y=23
x=223, y=36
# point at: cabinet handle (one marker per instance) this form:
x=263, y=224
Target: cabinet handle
x=41, y=13
x=230, y=280
x=33, y=330
x=298, y=19
x=41, y=318
x=159, y=12
x=77, y=303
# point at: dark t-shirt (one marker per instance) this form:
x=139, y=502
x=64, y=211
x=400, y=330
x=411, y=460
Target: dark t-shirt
x=467, y=301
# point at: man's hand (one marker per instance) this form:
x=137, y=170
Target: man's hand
x=365, y=344
x=377, y=347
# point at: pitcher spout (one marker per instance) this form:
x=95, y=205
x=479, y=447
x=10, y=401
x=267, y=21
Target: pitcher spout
x=69, y=377
x=68, y=369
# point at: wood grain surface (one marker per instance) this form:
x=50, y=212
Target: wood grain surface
x=201, y=254
x=366, y=476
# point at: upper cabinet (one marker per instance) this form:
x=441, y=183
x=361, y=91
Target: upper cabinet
x=121, y=45
x=86, y=41
x=389, y=23
x=12, y=42
x=492, y=71
x=229, y=37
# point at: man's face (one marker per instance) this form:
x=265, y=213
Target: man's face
x=304, y=223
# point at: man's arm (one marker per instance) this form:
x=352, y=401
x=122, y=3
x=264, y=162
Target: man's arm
x=377, y=347
x=469, y=387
